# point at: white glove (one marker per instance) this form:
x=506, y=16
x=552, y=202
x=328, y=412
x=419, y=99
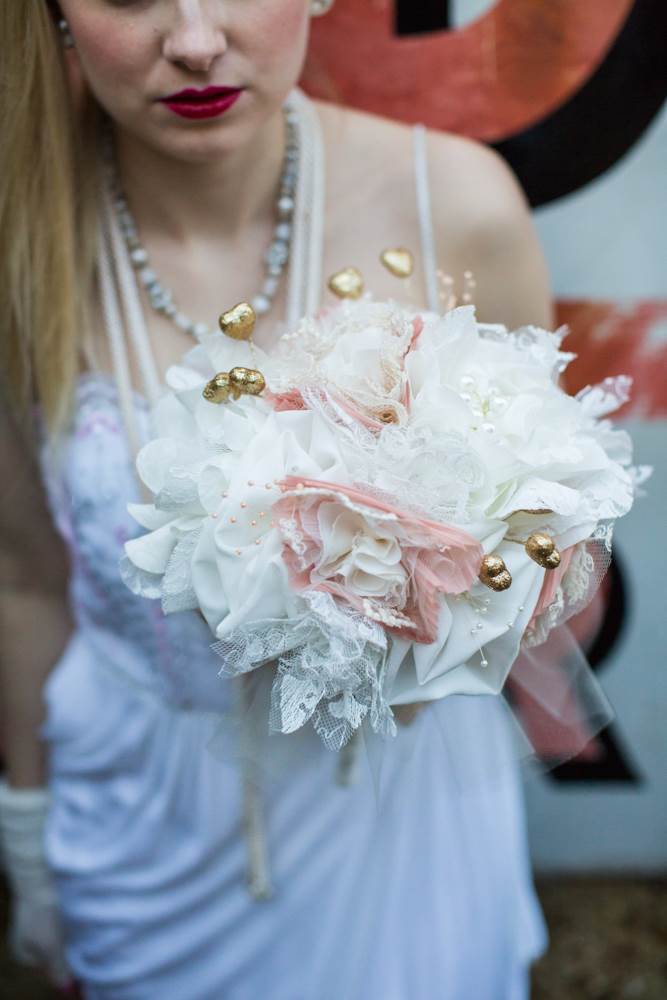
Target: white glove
x=35, y=932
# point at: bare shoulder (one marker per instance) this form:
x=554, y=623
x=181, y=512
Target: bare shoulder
x=372, y=149
x=484, y=223
x=360, y=128
x=482, y=219
x=474, y=182
x=467, y=176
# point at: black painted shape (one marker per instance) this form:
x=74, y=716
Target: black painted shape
x=594, y=129
x=419, y=17
x=611, y=767
x=613, y=763
x=615, y=617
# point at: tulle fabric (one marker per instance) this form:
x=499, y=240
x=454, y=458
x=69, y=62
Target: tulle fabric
x=557, y=703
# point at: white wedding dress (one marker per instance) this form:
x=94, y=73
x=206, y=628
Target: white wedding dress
x=425, y=895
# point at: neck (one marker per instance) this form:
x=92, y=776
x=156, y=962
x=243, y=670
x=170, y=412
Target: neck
x=215, y=198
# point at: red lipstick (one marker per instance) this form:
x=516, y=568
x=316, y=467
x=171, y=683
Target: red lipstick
x=207, y=102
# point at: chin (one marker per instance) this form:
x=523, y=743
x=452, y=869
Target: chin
x=200, y=149
x=202, y=143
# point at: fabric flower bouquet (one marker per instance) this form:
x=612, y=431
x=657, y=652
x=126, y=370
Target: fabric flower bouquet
x=384, y=510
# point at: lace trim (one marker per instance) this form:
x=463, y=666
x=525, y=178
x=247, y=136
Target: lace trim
x=330, y=669
x=584, y=575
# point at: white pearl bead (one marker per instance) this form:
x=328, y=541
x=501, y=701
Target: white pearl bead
x=488, y=427
x=261, y=304
x=147, y=276
x=139, y=256
x=285, y=206
x=270, y=286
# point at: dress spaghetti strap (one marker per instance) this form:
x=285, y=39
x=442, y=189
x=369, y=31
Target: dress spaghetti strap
x=425, y=214
x=113, y=324
x=306, y=257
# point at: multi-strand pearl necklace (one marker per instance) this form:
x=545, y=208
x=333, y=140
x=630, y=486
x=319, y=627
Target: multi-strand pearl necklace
x=276, y=257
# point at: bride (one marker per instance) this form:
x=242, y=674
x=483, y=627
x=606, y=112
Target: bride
x=159, y=165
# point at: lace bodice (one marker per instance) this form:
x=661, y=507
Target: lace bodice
x=90, y=482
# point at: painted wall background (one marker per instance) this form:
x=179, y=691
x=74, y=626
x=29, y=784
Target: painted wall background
x=573, y=95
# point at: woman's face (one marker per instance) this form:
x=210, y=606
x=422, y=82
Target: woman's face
x=134, y=54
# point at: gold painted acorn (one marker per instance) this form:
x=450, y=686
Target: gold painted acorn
x=218, y=389
x=234, y=384
x=239, y=322
x=542, y=549
x=246, y=381
x=495, y=574
x=398, y=262
x=347, y=284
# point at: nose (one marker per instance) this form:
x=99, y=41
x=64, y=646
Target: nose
x=196, y=38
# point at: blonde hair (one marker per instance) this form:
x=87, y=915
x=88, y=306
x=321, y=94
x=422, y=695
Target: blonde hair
x=47, y=214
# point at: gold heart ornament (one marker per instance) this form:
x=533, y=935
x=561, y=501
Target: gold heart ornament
x=239, y=322
x=347, y=284
x=398, y=262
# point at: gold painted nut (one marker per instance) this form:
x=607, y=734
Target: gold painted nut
x=247, y=380
x=398, y=262
x=503, y=581
x=347, y=284
x=542, y=549
x=218, y=389
x=552, y=561
x=494, y=573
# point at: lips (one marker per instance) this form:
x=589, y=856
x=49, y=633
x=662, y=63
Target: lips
x=205, y=102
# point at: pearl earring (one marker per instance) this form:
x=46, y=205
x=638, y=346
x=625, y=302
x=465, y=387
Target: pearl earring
x=66, y=34
x=320, y=7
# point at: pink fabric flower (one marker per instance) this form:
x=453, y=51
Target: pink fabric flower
x=417, y=330
x=389, y=564
x=290, y=400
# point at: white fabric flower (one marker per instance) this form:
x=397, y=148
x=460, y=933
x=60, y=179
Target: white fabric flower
x=366, y=557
